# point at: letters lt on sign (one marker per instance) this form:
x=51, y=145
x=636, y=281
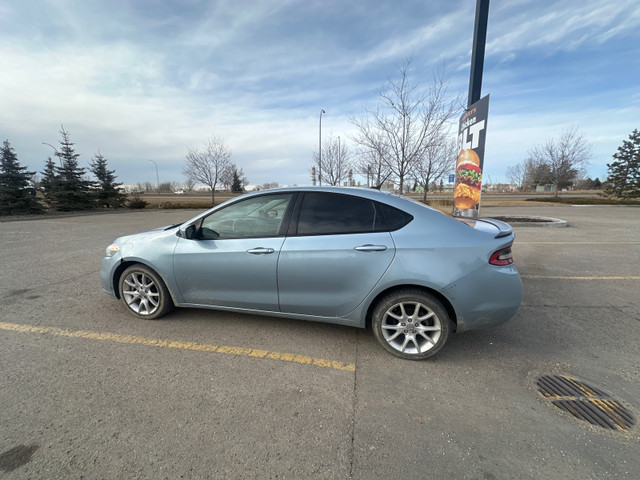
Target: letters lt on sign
x=468, y=177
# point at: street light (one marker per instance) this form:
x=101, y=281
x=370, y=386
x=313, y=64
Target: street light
x=55, y=150
x=320, y=149
x=157, y=177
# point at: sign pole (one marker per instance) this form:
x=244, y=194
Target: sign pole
x=477, y=53
x=472, y=128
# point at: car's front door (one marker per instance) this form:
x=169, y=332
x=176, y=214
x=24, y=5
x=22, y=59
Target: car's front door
x=232, y=260
x=336, y=256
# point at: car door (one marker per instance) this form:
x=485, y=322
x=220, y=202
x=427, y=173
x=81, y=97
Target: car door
x=335, y=253
x=232, y=258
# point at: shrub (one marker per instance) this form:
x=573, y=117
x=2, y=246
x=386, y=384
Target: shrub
x=136, y=202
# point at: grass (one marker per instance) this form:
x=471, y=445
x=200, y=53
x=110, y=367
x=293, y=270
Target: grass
x=184, y=202
x=587, y=201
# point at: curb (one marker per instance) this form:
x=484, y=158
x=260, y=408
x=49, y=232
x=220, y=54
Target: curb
x=531, y=221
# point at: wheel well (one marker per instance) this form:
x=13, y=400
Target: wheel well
x=126, y=264
x=445, y=302
x=116, y=275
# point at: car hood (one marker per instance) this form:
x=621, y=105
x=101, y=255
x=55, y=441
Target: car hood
x=148, y=235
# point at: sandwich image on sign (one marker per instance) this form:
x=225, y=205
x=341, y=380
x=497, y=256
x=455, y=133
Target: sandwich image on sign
x=466, y=193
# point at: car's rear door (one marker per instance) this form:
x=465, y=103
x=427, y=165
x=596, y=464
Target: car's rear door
x=337, y=249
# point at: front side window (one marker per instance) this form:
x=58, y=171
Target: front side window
x=328, y=213
x=254, y=217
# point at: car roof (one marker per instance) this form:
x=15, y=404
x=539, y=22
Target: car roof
x=403, y=203
x=390, y=198
x=371, y=193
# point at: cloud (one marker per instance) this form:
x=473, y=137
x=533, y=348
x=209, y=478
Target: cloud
x=408, y=43
x=562, y=26
x=145, y=80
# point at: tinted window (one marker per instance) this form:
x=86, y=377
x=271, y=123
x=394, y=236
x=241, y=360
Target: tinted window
x=254, y=217
x=396, y=219
x=327, y=213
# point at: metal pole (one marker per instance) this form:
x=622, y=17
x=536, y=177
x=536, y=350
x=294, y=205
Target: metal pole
x=320, y=150
x=55, y=150
x=157, y=176
x=477, y=53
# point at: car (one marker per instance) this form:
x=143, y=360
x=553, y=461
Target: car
x=351, y=256
x=179, y=192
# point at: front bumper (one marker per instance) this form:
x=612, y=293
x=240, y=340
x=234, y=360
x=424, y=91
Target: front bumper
x=107, y=271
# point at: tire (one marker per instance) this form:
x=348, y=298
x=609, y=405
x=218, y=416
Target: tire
x=405, y=335
x=143, y=293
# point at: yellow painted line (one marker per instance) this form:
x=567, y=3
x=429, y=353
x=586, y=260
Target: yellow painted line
x=566, y=277
x=198, y=347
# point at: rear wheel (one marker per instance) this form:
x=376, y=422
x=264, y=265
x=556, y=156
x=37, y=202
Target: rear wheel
x=144, y=293
x=411, y=324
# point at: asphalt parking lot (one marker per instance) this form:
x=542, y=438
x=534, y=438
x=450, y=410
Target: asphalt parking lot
x=87, y=391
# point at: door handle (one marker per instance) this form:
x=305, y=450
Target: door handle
x=260, y=251
x=371, y=248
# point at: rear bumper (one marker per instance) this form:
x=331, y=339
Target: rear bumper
x=489, y=296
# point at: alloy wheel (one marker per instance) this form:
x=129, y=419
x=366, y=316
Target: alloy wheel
x=141, y=293
x=411, y=327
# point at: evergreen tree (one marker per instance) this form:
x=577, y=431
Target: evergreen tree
x=624, y=173
x=235, y=179
x=107, y=194
x=49, y=181
x=17, y=195
x=72, y=191
x=236, y=184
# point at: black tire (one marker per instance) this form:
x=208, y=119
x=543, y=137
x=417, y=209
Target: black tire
x=143, y=293
x=404, y=335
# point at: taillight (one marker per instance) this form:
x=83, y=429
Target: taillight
x=502, y=257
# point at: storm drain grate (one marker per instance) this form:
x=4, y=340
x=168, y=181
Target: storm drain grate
x=585, y=402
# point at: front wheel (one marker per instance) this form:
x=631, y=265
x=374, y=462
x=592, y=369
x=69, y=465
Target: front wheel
x=411, y=324
x=144, y=293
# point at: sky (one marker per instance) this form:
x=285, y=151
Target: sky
x=142, y=81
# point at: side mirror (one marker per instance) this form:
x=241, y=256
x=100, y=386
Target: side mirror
x=189, y=233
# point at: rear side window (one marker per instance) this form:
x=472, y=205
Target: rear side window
x=328, y=213
x=395, y=218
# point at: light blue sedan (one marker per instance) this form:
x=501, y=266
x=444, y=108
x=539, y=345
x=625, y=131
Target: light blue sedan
x=351, y=256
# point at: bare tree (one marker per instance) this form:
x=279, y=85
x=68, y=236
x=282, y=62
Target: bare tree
x=565, y=157
x=208, y=164
x=189, y=185
x=439, y=158
x=369, y=162
x=535, y=173
x=408, y=119
x=517, y=174
x=336, y=161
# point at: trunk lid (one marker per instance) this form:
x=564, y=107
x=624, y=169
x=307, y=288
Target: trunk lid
x=491, y=226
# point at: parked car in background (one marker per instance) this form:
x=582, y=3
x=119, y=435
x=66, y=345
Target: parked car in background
x=179, y=192
x=349, y=256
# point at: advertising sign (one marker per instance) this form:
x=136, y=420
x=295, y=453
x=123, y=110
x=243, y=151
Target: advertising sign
x=472, y=133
